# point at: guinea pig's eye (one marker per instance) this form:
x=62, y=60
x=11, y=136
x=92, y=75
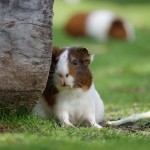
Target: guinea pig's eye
x=75, y=62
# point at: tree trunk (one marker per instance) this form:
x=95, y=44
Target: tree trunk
x=25, y=50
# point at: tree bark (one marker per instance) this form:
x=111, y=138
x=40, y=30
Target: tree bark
x=25, y=50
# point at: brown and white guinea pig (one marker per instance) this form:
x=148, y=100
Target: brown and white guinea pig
x=70, y=95
x=100, y=25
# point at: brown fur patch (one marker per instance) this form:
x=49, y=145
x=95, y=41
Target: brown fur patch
x=80, y=71
x=56, y=53
x=50, y=91
x=117, y=30
x=50, y=96
x=76, y=25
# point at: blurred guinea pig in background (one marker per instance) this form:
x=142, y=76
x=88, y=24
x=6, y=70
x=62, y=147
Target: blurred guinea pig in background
x=100, y=25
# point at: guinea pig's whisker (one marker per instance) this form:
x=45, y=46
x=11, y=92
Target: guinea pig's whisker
x=80, y=76
x=80, y=120
x=79, y=83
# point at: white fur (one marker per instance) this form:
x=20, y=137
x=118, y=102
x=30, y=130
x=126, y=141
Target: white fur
x=62, y=69
x=77, y=106
x=99, y=22
x=42, y=109
x=132, y=118
x=74, y=106
x=129, y=30
x=62, y=66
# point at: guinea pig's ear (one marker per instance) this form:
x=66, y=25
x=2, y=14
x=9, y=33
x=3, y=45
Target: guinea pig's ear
x=86, y=57
x=55, y=52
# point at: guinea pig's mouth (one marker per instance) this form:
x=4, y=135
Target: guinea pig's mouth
x=65, y=85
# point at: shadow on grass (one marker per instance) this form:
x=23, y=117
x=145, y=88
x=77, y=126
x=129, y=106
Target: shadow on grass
x=8, y=112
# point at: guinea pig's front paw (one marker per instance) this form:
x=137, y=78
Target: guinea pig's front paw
x=95, y=125
x=68, y=125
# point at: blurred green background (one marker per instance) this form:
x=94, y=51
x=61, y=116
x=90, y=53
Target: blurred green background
x=121, y=72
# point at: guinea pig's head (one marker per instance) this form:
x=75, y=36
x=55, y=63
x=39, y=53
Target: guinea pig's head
x=72, y=68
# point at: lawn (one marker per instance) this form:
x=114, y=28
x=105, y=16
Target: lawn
x=121, y=72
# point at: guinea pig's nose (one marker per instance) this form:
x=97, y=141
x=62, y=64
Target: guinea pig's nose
x=63, y=76
x=63, y=79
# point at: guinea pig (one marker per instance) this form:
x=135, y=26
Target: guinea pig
x=70, y=95
x=100, y=25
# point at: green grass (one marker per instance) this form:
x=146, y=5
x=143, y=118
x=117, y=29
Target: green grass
x=121, y=73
